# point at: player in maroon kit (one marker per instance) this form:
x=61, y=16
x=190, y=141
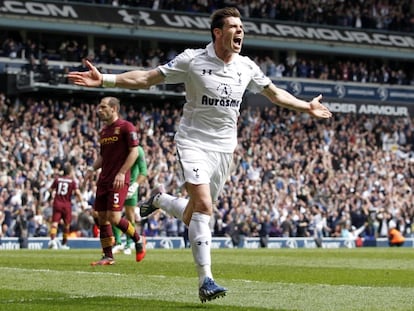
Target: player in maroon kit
x=63, y=187
x=118, y=152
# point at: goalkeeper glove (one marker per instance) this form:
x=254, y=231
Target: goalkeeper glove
x=132, y=189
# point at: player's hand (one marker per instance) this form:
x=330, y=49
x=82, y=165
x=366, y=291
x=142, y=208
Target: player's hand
x=132, y=189
x=119, y=181
x=91, y=78
x=318, y=110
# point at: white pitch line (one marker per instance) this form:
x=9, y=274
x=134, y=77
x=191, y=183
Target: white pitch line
x=74, y=271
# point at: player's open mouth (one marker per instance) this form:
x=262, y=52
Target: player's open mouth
x=237, y=41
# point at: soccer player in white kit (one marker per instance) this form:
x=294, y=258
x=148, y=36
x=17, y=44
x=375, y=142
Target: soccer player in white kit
x=215, y=79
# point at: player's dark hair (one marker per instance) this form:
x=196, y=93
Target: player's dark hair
x=217, y=18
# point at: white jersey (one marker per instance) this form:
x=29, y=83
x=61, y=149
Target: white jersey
x=214, y=92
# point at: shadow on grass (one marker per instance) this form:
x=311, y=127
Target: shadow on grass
x=44, y=300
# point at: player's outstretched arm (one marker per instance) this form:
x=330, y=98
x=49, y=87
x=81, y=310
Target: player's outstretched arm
x=136, y=79
x=285, y=99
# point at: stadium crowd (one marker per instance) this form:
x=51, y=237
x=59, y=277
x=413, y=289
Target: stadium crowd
x=373, y=14
x=384, y=15
x=293, y=175
x=304, y=66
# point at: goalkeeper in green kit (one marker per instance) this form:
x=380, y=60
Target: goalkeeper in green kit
x=138, y=176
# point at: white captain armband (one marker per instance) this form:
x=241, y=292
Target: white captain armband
x=108, y=80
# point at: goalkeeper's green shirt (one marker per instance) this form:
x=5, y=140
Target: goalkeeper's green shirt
x=139, y=167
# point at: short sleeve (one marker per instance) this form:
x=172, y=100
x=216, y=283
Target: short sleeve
x=258, y=79
x=176, y=70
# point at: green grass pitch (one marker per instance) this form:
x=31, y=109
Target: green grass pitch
x=257, y=279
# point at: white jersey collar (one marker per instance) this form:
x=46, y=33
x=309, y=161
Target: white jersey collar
x=210, y=50
x=212, y=53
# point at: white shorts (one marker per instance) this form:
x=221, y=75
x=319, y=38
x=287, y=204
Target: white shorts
x=198, y=166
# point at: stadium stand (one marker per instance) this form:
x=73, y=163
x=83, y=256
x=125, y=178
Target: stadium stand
x=293, y=176
x=386, y=15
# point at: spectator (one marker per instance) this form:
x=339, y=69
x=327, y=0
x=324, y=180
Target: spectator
x=85, y=223
x=395, y=238
x=44, y=70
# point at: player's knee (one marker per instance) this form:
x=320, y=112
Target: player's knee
x=114, y=219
